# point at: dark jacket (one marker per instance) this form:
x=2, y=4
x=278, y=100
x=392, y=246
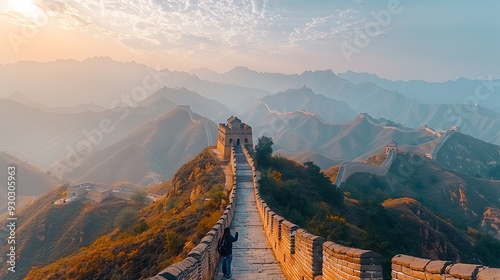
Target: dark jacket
x=228, y=248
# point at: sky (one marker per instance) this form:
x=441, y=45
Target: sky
x=396, y=39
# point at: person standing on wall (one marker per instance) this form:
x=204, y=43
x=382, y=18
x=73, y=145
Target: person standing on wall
x=225, y=248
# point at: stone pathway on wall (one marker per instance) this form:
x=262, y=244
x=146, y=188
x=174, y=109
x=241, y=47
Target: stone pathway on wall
x=252, y=256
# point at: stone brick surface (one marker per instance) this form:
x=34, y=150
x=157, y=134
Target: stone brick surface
x=437, y=267
x=464, y=271
x=252, y=254
x=489, y=274
x=419, y=264
x=408, y=267
x=403, y=260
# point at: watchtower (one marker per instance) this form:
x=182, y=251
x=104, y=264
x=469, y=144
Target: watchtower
x=391, y=146
x=234, y=133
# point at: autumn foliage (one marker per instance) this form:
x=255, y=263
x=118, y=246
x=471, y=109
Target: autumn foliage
x=158, y=235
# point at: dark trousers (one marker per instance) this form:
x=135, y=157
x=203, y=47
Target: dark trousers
x=226, y=265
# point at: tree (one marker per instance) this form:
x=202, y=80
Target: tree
x=139, y=196
x=264, y=150
x=125, y=219
x=312, y=168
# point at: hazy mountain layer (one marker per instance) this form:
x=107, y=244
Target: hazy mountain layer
x=377, y=101
x=44, y=137
x=206, y=107
x=233, y=96
x=152, y=152
x=305, y=99
x=30, y=181
x=64, y=137
x=80, y=108
x=305, y=132
x=485, y=92
x=64, y=83
x=242, y=86
x=243, y=76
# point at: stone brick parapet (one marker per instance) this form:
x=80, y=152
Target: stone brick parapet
x=305, y=256
x=201, y=261
x=341, y=262
x=411, y=268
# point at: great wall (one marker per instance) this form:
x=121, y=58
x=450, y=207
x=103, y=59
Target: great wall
x=347, y=169
x=429, y=149
x=300, y=254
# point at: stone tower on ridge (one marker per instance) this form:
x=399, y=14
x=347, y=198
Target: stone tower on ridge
x=233, y=133
x=391, y=146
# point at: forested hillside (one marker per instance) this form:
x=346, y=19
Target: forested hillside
x=370, y=216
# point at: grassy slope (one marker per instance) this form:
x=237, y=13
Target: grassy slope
x=159, y=234
x=472, y=156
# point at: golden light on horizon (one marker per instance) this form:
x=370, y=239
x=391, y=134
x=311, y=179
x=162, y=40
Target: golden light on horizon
x=25, y=7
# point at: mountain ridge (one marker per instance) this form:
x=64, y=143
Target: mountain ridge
x=328, y=109
x=300, y=131
x=452, y=91
x=157, y=147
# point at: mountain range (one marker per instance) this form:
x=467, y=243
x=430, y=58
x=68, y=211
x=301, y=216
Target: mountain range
x=368, y=97
x=304, y=99
x=59, y=134
x=306, y=132
x=150, y=153
x=241, y=86
x=313, y=115
x=72, y=82
x=28, y=101
x=483, y=91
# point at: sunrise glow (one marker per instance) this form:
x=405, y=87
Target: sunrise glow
x=25, y=7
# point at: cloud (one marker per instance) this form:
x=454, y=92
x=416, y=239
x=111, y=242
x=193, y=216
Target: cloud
x=255, y=26
x=15, y=18
x=338, y=25
x=197, y=24
x=24, y=16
